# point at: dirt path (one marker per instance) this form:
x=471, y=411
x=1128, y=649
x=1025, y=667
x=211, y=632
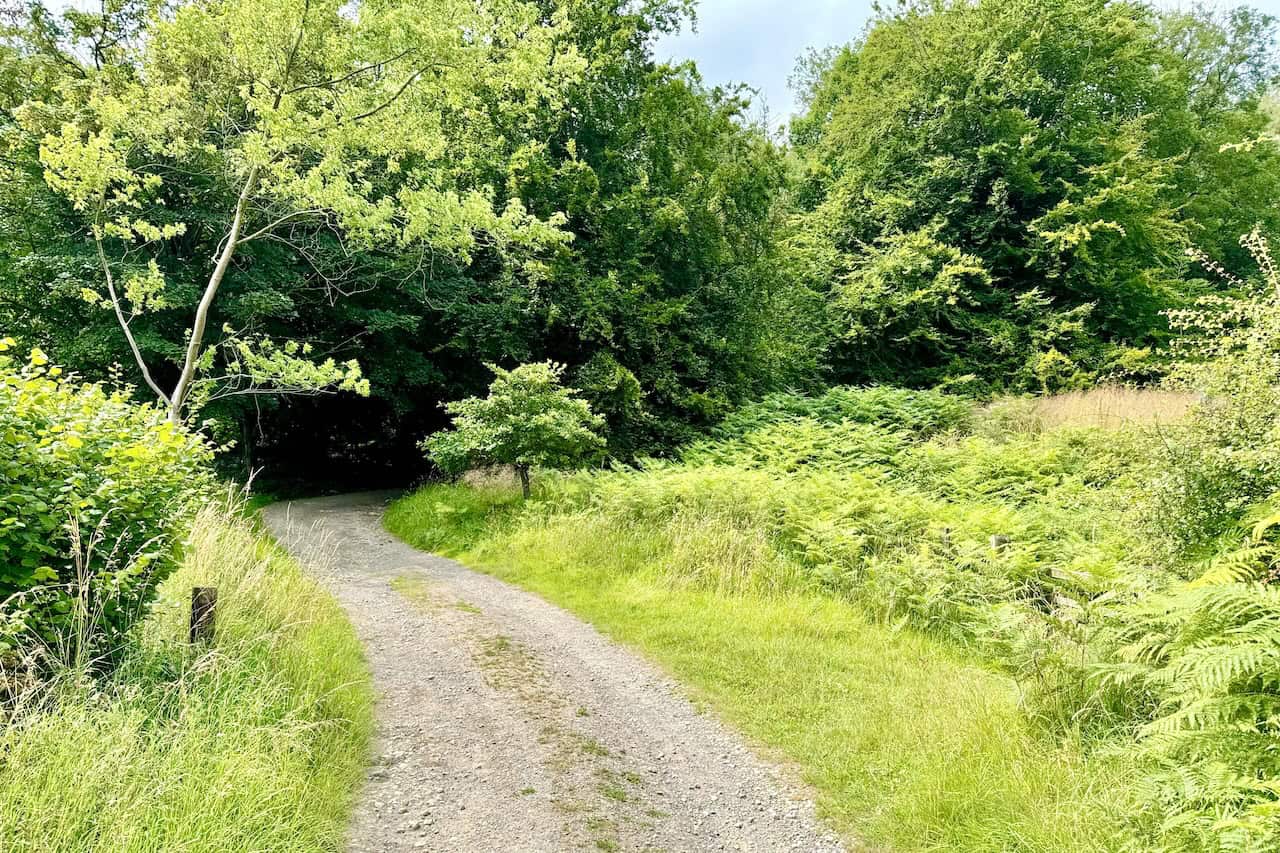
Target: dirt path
x=506, y=724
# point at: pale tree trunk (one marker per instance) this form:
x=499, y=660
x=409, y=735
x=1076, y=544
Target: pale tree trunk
x=177, y=400
x=195, y=346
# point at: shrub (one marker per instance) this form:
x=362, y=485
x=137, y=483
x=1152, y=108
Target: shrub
x=529, y=419
x=905, y=526
x=1226, y=456
x=93, y=489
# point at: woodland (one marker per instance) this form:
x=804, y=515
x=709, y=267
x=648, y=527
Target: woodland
x=960, y=382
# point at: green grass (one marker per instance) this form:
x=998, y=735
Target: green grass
x=908, y=741
x=257, y=743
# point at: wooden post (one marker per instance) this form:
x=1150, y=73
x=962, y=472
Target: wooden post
x=946, y=537
x=203, y=601
x=999, y=542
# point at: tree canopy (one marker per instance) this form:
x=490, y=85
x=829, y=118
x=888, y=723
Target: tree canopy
x=1006, y=189
x=300, y=112
x=987, y=195
x=615, y=215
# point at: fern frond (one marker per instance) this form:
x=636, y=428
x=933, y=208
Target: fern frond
x=1222, y=711
x=1240, y=566
x=1212, y=669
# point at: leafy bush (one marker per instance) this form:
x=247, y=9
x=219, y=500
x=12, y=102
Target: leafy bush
x=93, y=493
x=844, y=429
x=529, y=419
x=1225, y=457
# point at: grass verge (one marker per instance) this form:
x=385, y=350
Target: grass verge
x=257, y=743
x=909, y=743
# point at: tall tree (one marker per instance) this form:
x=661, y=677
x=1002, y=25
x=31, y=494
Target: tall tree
x=301, y=112
x=1006, y=188
x=666, y=305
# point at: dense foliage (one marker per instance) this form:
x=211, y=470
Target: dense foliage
x=94, y=493
x=1199, y=658
x=262, y=101
x=656, y=303
x=989, y=195
x=1131, y=589
x=529, y=419
x=1005, y=189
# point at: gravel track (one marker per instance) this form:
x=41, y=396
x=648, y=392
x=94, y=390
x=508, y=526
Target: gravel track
x=507, y=724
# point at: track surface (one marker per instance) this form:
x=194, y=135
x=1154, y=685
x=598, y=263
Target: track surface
x=507, y=724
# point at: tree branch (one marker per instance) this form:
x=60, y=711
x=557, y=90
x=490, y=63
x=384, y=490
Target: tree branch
x=266, y=229
x=403, y=88
x=345, y=77
x=293, y=53
x=124, y=323
x=272, y=391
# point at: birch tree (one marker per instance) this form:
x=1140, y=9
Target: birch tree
x=366, y=117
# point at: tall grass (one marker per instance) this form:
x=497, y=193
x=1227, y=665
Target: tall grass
x=256, y=743
x=1104, y=407
x=909, y=741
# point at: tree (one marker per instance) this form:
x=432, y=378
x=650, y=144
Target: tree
x=664, y=306
x=528, y=419
x=1064, y=155
x=667, y=304
x=302, y=113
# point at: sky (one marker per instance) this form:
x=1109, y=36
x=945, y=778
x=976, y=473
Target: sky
x=757, y=42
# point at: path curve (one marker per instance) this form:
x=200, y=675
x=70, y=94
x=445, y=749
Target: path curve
x=507, y=724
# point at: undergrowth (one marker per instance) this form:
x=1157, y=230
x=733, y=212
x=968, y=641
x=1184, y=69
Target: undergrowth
x=972, y=631
x=826, y=577
x=254, y=743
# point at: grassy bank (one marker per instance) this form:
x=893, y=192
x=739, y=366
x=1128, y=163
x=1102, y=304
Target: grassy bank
x=910, y=743
x=257, y=743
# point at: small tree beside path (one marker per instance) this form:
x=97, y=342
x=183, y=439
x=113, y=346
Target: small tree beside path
x=529, y=419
